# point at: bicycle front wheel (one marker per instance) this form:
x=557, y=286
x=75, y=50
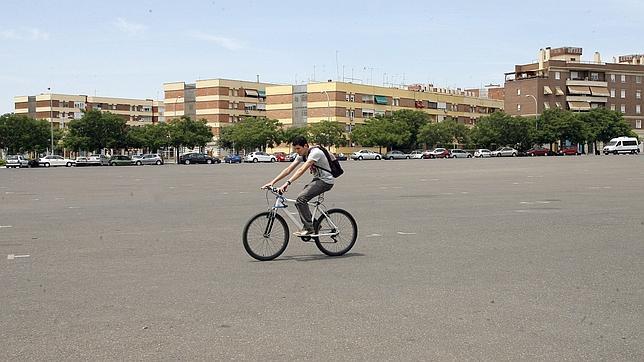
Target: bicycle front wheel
x=337, y=233
x=265, y=236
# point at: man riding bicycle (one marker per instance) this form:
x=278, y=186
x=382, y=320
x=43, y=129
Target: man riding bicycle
x=316, y=162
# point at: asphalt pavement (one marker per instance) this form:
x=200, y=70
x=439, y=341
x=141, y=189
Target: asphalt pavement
x=465, y=259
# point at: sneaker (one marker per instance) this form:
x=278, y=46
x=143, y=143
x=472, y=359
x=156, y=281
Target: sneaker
x=303, y=232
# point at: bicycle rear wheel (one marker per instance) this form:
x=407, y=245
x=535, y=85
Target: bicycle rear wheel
x=265, y=236
x=337, y=233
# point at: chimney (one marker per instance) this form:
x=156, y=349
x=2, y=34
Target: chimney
x=547, y=54
x=598, y=58
x=614, y=60
x=542, y=55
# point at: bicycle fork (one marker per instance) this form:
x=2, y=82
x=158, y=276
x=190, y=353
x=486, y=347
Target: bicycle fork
x=269, y=224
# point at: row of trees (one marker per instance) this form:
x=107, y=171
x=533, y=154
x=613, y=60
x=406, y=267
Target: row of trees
x=96, y=131
x=259, y=132
x=404, y=129
x=412, y=129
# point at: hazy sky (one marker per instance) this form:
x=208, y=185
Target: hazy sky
x=130, y=48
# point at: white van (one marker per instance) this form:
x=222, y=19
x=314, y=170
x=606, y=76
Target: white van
x=622, y=145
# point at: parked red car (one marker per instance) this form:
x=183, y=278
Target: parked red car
x=538, y=151
x=436, y=153
x=570, y=150
x=280, y=156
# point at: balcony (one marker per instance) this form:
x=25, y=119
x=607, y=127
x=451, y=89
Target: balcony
x=586, y=83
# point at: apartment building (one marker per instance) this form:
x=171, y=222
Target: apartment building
x=351, y=104
x=560, y=79
x=62, y=108
x=218, y=101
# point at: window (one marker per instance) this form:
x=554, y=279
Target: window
x=638, y=94
x=623, y=78
x=230, y=92
x=574, y=75
x=623, y=93
x=353, y=114
x=612, y=107
x=352, y=98
x=638, y=109
x=518, y=92
x=230, y=105
x=346, y=97
x=612, y=78
x=638, y=79
x=347, y=113
x=612, y=93
x=518, y=108
x=367, y=99
x=638, y=123
x=622, y=108
x=396, y=102
x=594, y=76
x=557, y=75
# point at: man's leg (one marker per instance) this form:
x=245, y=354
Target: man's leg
x=311, y=190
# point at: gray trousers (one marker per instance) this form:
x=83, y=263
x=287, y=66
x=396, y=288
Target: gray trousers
x=311, y=190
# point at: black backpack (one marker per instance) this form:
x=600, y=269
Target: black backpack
x=336, y=170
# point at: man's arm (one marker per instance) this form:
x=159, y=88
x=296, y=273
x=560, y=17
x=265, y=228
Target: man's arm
x=300, y=171
x=285, y=172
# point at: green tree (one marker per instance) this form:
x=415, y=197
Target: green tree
x=287, y=134
x=382, y=131
x=251, y=133
x=415, y=120
x=96, y=131
x=156, y=136
x=19, y=134
x=501, y=129
x=327, y=133
x=189, y=133
x=604, y=124
x=444, y=134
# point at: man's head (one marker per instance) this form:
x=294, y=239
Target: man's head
x=301, y=145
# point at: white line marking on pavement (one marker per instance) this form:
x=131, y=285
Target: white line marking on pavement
x=35, y=199
x=73, y=207
x=12, y=256
x=373, y=236
x=423, y=179
x=404, y=233
x=5, y=226
x=8, y=192
x=464, y=192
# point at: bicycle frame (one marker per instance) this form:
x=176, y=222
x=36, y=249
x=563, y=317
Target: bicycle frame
x=281, y=204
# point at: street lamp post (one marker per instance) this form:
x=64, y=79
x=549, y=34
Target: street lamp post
x=174, y=114
x=536, y=112
x=51, y=121
x=328, y=107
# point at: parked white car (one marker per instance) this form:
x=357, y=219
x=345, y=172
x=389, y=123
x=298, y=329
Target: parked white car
x=622, y=145
x=365, y=155
x=54, y=160
x=459, y=153
x=17, y=161
x=505, y=152
x=260, y=156
x=482, y=152
x=417, y=154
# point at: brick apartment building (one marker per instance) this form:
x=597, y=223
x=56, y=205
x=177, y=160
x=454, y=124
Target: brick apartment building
x=61, y=108
x=560, y=79
x=351, y=104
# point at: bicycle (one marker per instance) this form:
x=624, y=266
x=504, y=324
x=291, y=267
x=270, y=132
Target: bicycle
x=335, y=230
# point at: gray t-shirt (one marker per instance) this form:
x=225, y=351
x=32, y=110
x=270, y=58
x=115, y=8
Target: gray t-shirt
x=318, y=156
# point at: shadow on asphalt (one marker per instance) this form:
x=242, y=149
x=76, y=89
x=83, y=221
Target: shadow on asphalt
x=311, y=257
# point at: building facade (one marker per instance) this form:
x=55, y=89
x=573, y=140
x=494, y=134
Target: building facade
x=560, y=79
x=62, y=108
x=218, y=101
x=352, y=104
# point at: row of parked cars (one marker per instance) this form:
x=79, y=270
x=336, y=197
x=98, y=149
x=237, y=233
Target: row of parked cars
x=18, y=161
x=460, y=153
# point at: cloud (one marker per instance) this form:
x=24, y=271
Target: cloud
x=222, y=41
x=24, y=34
x=129, y=28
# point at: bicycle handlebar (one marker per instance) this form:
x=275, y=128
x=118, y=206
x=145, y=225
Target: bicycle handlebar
x=274, y=190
